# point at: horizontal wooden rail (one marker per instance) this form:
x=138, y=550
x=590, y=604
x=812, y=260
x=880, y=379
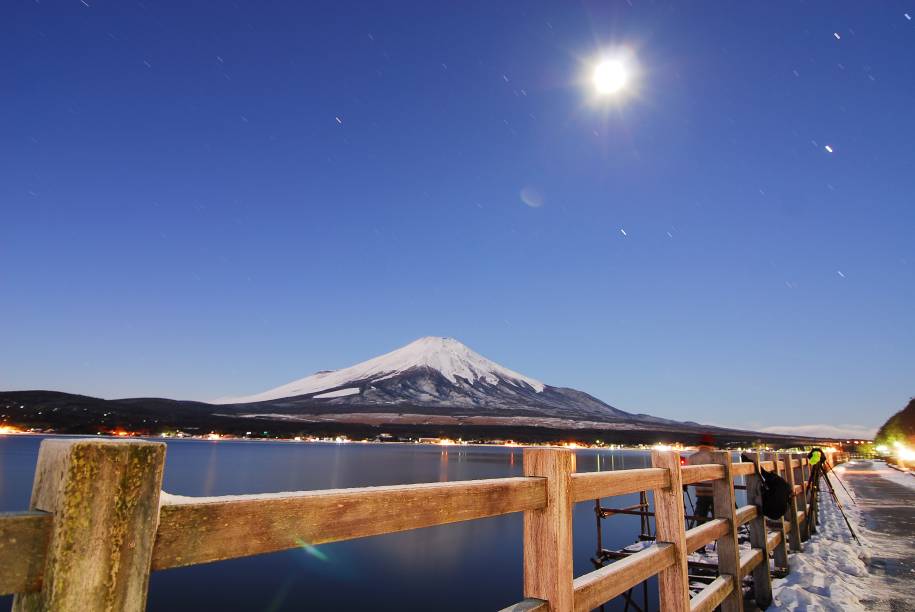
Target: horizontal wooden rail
x=712, y=595
x=699, y=473
x=742, y=469
x=24, y=538
x=795, y=463
x=599, y=586
x=745, y=514
x=213, y=529
x=528, y=605
x=594, y=485
x=707, y=532
x=749, y=559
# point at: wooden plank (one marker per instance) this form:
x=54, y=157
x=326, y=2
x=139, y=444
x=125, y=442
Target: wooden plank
x=697, y=537
x=698, y=473
x=673, y=581
x=728, y=549
x=805, y=474
x=595, y=485
x=528, y=605
x=762, y=581
x=745, y=514
x=548, y=531
x=104, y=496
x=212, y=529
x=749, y=560
x=798, y=489
x=742, y=469
x=712, y=595
x=780, y=553
x=794, y=532
x=24, y=538
x=602, y=585
x=801, y=482
x=794, y=462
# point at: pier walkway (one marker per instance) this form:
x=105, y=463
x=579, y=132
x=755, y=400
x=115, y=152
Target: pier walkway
x=886, y=512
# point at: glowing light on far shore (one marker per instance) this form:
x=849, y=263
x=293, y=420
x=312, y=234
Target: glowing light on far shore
x=9, y=429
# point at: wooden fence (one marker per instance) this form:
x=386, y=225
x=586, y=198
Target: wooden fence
x=96, y=527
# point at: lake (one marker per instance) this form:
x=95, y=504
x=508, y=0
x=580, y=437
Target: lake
x=465, y=566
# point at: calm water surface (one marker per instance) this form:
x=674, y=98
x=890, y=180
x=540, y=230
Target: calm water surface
x=466, y=566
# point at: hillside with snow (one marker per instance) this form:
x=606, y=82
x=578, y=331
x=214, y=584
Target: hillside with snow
x=436, y=377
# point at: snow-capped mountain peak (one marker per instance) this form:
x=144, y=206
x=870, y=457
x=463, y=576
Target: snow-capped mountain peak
x=447, y=356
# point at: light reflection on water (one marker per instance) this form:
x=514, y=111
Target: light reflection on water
x=472, y=565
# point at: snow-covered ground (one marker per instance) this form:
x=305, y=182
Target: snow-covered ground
x=832, y=574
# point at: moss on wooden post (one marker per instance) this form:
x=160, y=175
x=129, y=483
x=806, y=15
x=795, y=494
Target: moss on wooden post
x=104, y=496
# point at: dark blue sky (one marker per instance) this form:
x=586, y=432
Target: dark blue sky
x=201, y=199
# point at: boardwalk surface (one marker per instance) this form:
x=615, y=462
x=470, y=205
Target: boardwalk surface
x=886, y=510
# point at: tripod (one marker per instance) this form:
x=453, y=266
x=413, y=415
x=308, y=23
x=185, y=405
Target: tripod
x=829, y=469
x=813, y=485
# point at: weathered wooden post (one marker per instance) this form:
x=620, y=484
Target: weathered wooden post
x=794, y=532
x=548, y=531
x=104, y=495
x=670, y=526
x=803, y=525
x=762, y=581
x=808, y=506
x=728, y=549
x=781, y=549
x=814, y=501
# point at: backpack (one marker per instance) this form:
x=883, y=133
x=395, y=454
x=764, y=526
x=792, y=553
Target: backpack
x=775, y=492
x=772, y=495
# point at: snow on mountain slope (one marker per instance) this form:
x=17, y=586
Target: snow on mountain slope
x=449, y=358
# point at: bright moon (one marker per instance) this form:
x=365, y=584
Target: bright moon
x=610, y=76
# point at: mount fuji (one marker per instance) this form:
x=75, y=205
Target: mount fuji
x=439, y=380
x=432, y=386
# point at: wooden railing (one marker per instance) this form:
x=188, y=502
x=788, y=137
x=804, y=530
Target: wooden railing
x=97, y=526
